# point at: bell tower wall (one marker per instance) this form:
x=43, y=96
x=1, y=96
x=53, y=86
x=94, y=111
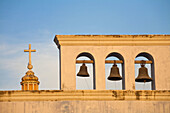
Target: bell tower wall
x=100, y=46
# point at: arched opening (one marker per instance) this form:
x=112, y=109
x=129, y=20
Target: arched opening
x=85, y=82
x=115, y=84
x=149, y=65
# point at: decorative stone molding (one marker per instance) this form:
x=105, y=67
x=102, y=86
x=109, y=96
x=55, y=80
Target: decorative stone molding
x=112, y=40
x=99, y=95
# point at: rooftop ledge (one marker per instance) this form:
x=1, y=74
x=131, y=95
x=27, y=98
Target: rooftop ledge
x=111, y=40
x=99, y=95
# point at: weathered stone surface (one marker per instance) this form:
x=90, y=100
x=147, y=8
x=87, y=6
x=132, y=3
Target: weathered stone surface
x=85, y=107
x=85, y=101
x=100, y=46
x=99, y=95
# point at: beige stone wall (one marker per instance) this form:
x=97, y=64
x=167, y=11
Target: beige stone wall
x=161, y=55
x=85, y=101
x=129, y=46
x=101, y=95
x=85, y=107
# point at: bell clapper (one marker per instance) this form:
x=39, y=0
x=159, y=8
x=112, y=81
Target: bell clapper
x=144, y=81
x=144, y=84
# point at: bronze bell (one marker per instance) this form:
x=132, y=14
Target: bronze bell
x=114, y=73
x=83, y=71
x=143, y=75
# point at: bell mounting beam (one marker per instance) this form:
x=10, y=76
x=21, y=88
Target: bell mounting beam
x=143, y=61
x=117, y=61
x=113, y=61
x=84, y=61
x=106, y=61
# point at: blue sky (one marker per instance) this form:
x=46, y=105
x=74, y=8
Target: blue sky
x=37, y=22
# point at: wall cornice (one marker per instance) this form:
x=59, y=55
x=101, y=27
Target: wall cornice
x=108, y=95
x=112, y=40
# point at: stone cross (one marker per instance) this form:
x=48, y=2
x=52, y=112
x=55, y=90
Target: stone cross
x=29, y=50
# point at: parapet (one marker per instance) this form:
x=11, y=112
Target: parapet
x=112, y=40
x=89, y=95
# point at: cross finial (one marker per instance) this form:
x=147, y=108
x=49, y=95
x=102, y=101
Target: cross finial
x=29, y=50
